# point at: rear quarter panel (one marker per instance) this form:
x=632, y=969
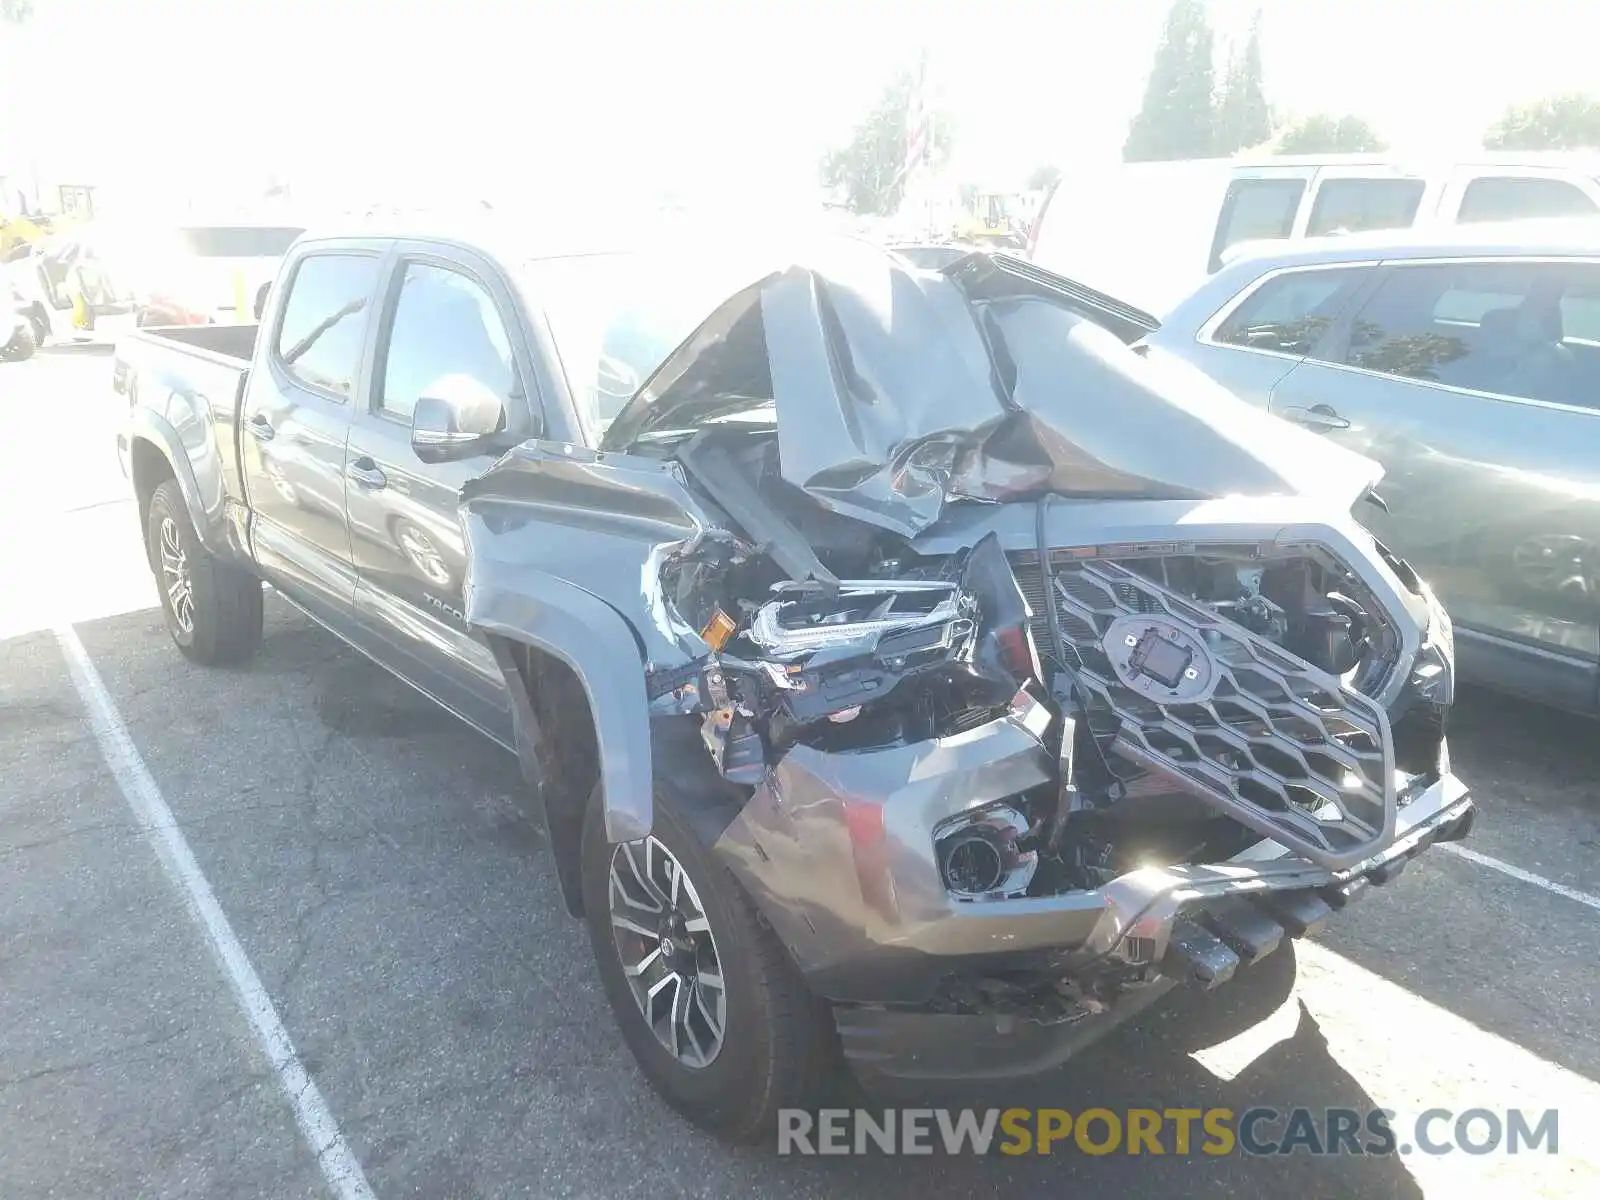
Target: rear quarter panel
x=186, y=401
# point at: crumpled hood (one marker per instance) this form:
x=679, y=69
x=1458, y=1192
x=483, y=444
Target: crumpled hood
x=898, y=391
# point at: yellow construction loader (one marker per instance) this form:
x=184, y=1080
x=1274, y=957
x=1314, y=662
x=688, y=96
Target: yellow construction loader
x=991, y=219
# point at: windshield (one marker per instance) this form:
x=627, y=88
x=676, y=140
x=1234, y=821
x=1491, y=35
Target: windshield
x=615, y=317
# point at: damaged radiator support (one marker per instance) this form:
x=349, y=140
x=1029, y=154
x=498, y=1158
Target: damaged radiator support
x=1283, y=747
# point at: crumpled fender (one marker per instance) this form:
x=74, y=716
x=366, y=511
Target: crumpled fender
x=591, y=637
x=564, y=551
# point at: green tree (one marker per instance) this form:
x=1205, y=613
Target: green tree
x=869, y=170
x=1177, y=119
x=1324, y=133
x=1243, y=118
x=1569, y=121
x=16, y=12
x=1042, y=177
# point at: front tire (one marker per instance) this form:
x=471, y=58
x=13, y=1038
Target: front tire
x=213, y=609
x=738, y=1036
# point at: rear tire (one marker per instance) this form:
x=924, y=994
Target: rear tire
x=213, y=609
x=22, y=344
x=778, y=1047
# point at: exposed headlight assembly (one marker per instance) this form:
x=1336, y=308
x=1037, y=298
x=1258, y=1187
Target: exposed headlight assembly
x=979, y=853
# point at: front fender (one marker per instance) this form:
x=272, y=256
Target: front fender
x=205, y=511
x=593, y=639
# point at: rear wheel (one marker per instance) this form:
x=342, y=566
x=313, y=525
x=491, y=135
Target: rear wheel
x=22, y=344
x=213, y=608
x=707, y=1000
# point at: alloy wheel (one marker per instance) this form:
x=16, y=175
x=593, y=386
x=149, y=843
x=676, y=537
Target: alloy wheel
x=175, y=578
x=667, y=950
x=419, y=549
x=1557, y=563
x=280, y=482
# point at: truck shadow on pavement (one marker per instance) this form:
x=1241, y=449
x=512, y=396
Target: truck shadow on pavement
x=1147, y=1064
x=1503, y=960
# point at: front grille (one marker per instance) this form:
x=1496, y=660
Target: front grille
x=1281, y=746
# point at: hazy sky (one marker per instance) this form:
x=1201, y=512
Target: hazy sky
x=600, y=97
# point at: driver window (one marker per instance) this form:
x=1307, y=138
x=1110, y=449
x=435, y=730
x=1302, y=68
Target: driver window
x=444, y=325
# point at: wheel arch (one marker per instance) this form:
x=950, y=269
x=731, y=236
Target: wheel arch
x=156, y=453
x=575, y=675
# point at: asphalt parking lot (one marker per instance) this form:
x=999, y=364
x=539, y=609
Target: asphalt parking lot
x=399, y=909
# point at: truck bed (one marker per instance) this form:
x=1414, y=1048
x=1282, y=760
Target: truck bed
x=188, y=377
x=236, y=342
x=201, y=357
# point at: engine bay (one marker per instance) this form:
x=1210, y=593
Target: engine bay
x=1189, y=687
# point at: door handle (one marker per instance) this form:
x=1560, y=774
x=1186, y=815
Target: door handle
x=260, y=428
x=366, y=473
x=1318, y=416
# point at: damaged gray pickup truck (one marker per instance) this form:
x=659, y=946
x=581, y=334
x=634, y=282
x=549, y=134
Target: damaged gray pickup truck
x=908, y=667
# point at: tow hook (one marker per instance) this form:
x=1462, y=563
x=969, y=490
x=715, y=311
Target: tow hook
x=1197, y=957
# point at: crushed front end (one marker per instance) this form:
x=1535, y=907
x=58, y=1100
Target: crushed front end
x=1041, y=797
x=1029, y=727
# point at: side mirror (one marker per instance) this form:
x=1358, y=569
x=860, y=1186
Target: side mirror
x=457, y=417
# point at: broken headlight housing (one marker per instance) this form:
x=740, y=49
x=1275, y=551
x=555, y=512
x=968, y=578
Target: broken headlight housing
x=981, y=854
x=804, y=619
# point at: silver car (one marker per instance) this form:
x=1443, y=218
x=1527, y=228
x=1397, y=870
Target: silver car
x=1467, y=362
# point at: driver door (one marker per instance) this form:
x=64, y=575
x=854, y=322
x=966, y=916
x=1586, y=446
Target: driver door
x=446, y=317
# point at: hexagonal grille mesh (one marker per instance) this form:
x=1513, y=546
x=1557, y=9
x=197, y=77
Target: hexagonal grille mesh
x=1283, y=747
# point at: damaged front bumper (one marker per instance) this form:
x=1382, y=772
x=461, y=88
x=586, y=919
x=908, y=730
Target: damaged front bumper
x=839, y=852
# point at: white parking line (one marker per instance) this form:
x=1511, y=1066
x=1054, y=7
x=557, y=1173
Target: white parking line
x=1505, y=868
x=321, y=1131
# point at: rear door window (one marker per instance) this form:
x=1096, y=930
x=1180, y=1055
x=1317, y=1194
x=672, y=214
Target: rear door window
x=1255, y=209
x=1290, y=313
x=325, y=321
x=1352, y=205
x=1505, y=198
x=1522, y=329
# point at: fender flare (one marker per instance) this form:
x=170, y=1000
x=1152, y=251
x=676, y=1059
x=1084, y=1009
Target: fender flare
x=144, y=424
x=597, y=643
